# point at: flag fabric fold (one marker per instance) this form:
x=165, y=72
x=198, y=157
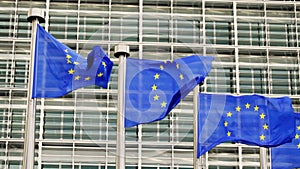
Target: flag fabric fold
x=287, y=156
x=154, y=88
x=249, y=119
x=59, y=70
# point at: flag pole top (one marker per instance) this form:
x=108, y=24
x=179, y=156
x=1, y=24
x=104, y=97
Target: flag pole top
x=121, y=50
x=36, y=13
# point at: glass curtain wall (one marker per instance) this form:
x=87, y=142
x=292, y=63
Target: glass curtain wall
x=256, y=50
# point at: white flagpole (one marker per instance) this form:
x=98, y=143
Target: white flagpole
x=35, y=16
x=195, y=109
x=121, y=52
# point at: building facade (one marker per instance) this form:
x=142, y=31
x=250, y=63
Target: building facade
x=256, y=50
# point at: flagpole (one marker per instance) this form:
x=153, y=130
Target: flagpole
x=35, y=16
x=121, y=52
x=195, y=109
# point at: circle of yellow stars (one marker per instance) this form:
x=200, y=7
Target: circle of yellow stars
x=156, y=77
x=72, y=71
x=262, y=116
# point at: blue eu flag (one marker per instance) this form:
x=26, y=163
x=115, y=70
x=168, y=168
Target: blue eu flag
x=249, y=119
x=154, y=88
x=287, y=156
x=59, y=70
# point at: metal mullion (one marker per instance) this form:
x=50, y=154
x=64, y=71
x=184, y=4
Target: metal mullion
x=296, y=25
x=295, y=83
x=47, y=14
x=214, y=32
x=203, y=43
x=66, y=27
x=195, y=31
x=7, y=80
x=157, y=29
x=204, y=158
x=6, y=155
x=250, y=34
x=12, y=73
x=77, y=27
x=9, y=116
x=107, y=112
x=289, y=82
x=4, y=122
x=140, y=127
x=171, y=120
x=41, y=133
x=286, y=29
x=298, y=59
x=240, y=156
x=109, y=25
x=252, y=80
x=171, y=30
x=61, y=124
x=269, y=75
x=263, y=151
x=140, y=24
x=236, y=51
x=106, y=128
x=74, y=130
x=203, y=28
x=80, y=125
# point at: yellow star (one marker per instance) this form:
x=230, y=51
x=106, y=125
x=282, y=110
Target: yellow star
x=177, y=66
x=156, y=97
x=298, y=127
x=163, y=104
x=247, y=106
x=156, y=76
x=181, y=76
x=297, y=136
x=77, y=77
x=76, y=63
x=266, y=127
x=100, y=74
x=225, y=123
x=68, y=56
x=154, y=87
x=71, y=71
x=262, y=137
x=238, y=108
x=262, y=116
x=66, y=50
x=229, y=114
x=161, y=67
x=165, y=61
x=104, y=64
x=69, y=61
x=298, y=145
x=228, y=133
x=256, y=108
x=87, y=78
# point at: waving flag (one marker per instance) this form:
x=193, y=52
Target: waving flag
x=59, y=70
x=154, y=88
x=248, y=119
x=287, y=156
